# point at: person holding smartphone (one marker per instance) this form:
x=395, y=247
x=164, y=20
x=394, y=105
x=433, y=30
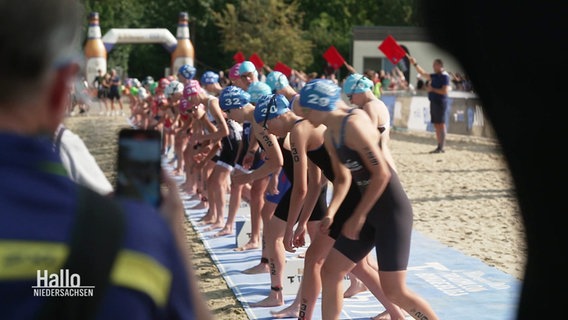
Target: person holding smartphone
x=40, y=204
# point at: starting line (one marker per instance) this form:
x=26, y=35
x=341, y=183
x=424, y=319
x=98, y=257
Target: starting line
x=456, y=285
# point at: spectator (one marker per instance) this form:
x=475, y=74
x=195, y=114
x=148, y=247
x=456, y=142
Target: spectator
x=102, y=93
x=438, y=90
x=114, y=93
x=79, y=163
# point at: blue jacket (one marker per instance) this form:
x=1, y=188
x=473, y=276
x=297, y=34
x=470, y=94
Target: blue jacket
x=37, y=210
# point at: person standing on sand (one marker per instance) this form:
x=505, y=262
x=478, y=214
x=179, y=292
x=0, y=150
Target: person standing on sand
x=438, y=89
x=114, y=93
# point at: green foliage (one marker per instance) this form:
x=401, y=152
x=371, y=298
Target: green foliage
x=295, y=32
x=270, y=28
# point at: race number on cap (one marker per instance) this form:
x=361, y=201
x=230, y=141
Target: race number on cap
x=192, y=88
x=233, y=97
x=320, y=94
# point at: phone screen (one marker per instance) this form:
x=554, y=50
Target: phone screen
x=139, y=165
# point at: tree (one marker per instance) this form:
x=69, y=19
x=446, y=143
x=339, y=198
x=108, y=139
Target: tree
x=332, y=24
x=296, y=32
x=273, y=32
x=116, y=14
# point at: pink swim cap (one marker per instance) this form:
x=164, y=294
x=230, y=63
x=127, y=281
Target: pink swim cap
x=234, y=71
x=192, y=88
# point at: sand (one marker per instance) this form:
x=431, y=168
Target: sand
x=463, y=198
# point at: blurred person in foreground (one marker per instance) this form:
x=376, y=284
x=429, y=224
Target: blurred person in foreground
x=494, y=47
x=151, y=275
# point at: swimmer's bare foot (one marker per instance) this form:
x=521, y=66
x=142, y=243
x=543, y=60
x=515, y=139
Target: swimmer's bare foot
x=208, y=218
x=275, y=299
x=214, y=226
x=292, y=311
x=382, y=316
x=226, y=231
x=205, y=223
x=251, y=245
x=385, y=315
x=258, y=269
x=356, y=287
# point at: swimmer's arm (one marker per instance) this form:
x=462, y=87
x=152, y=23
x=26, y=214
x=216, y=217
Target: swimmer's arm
x=357, y=138
x=300, y=185
x=342, y=179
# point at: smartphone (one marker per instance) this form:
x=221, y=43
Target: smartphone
x=139, y=165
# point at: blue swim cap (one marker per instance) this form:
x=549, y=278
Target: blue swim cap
x=258, y=89
x=320, y=94
x=357, y=83
x=187, y=71
x=247, y=67
x=277, y=81
x=270, y=106
x=209, y=77
x=233, y=97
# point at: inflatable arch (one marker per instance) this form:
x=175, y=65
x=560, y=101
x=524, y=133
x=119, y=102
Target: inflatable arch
x=128, y=36
x=97, y=48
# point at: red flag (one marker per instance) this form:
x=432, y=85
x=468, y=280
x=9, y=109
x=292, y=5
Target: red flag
x=255, y=59
x=333, y=57
x=283, y=68
x=239, y=57
x=392, y=50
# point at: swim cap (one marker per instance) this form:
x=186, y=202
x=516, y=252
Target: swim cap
x=247, y=67
x=277, y=81
x=234, y=71
x=233, y=97
x=187, y=71
x=258, y=89
x=192, y=88
x=357, y=83
x=184, y=106
x=320, y=94
x=142, y=93
x=174, y=87
x=270, y=106
x=164, y=83
x=149, y=80
x=209, y=77
x=134, y=91
x=153, y=87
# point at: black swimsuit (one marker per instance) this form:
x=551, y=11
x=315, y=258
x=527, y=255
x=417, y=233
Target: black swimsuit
x=388, y=227
x=284, y=204
x=320, y=157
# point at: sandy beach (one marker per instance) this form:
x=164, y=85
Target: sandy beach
x=463, y=198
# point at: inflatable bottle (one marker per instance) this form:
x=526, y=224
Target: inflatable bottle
x=95, y=51
x=184, y=52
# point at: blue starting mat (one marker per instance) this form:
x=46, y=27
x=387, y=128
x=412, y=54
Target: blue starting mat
x=456, y=285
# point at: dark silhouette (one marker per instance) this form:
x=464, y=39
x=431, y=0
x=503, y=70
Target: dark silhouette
x=520, y=40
